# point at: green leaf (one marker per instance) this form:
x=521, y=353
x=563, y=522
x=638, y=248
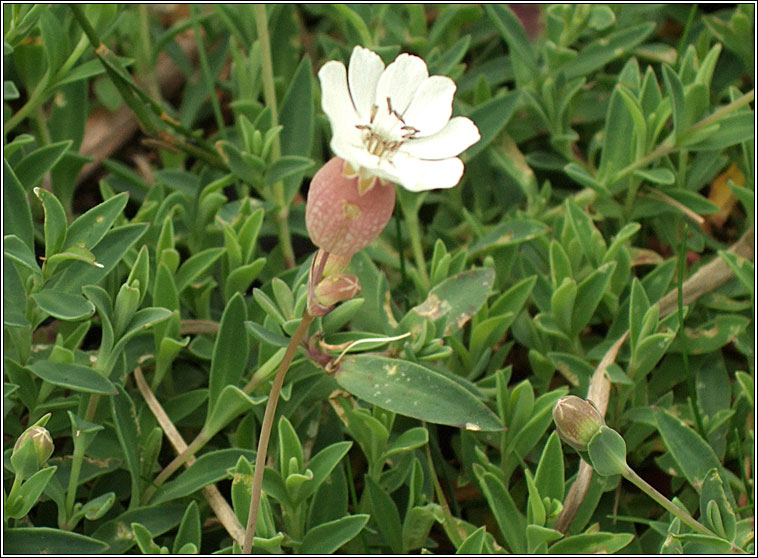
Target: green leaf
x=10, y=91
x=509, y=519
x=39, y=162
x=592, y=543
x=510, y=233
x=322, y=464
x=538, y=537
x=715, y=507
x=54, y=40
x=15, y=249
x=287, y=166
x=190, y=529
x=98, y=507
x=713, y=334
x=145, y=540
x=590, y=239
x=640, y=126
x=693, y=454
x=549, y=478
x=230, y=403
x=289, y=447
x=384, y=512
x=64, y=306
x=296, y=116
x=73, y=376
x=583, y=177
x=732, y=129
x=590, y=292
x=55, y=221
x=521, y=52
x=474, y=543
x=617, y=135
x=601, y=51
x=128, y=432
x=407, y=441
x=418, y=522
x=89, y=228
x=29, y=493
x=328, y=537
x=14, y=297
x=209, y=468
x=17, y=217
x=230, y=350
x=743, y=269
x=491, y=117
x=675, y=91
x=455, y=301
x=108, y=252
x=45, y=540
x=540, y=419
x=656, y=176
x=156, y=519
x=195, y=266
x=88, y=69
x=607, y=452
x=413, y=390
x=562, y=304
x=239, y=280
x=142, y=321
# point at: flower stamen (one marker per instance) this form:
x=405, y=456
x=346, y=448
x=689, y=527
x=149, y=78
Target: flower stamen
x=381, y=137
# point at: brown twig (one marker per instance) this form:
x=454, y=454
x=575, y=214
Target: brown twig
x=706, y=279
x=217, y=502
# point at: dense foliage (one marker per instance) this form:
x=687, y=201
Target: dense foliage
x=156, y=162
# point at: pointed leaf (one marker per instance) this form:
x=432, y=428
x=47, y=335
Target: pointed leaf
x=414, y=390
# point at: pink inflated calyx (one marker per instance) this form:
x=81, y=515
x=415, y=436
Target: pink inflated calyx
x=339, y=217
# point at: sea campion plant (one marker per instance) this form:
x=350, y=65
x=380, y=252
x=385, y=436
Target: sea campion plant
x=411, y=140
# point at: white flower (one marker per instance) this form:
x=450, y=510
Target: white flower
x=394, y=123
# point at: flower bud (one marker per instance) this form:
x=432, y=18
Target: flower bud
x=340, y=220
x=31, y=451
x=577, y=421
x=332, y=290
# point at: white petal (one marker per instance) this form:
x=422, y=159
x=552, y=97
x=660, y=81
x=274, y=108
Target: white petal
x=458, y=135
x=335, y=97
x=400, y=81
x=432, y=105
x=363, y=74
x=417, y=175
x=348, y=145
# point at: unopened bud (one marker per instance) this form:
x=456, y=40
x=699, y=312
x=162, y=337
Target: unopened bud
x=332, y=290
x=32, y=450
x=577, y=421
x=339, y=218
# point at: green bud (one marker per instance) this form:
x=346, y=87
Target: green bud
x=577, y=420
x=127, y=302
x=607, y=452
x=31, y=451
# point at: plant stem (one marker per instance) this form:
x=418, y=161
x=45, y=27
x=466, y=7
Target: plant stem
x=207, y=77
x=411, y=219
x=669, y=145
x=145, y=61
x=266, y=426
x=200, y=440
x=37, y=96
x=681, y=513
x=269, y=92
